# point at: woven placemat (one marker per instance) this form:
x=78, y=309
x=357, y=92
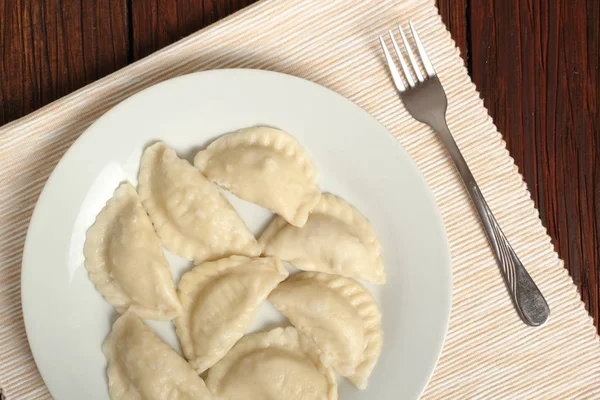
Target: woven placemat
x=489, y=353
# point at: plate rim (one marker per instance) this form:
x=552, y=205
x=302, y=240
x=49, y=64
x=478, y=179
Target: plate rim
x=27, y=299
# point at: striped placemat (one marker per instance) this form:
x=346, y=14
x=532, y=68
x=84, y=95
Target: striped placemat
x=489, y=353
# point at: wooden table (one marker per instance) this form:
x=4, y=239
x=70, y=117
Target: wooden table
x=535, y=63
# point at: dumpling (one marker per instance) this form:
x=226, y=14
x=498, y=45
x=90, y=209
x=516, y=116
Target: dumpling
x=124, y=259
x=141, y=366
x=273, y=365
x=191, y=216
x=265, y=166
x=336, y=239
x=220, y=299
x=339, y=315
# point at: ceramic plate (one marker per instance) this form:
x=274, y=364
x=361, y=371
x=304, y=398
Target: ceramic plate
x=358, y=159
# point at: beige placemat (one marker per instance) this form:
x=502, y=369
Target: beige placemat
x=489, y=353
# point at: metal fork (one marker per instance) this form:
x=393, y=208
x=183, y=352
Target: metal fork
x=425, y=99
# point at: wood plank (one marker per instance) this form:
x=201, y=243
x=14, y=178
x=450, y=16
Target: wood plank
x=158, y=23
x=50, y=48
x=536, y=65
x=455, y=15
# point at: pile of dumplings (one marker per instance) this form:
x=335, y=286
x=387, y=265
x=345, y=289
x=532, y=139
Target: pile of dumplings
x=336, y=324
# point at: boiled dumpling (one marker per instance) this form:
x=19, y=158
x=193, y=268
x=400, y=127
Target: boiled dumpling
x=141, y=366
x=339, y=315
x=124, y=259
x=220, y=299
x=336, y=239
x=191, y=216
x=265, y=166
x=274, y=365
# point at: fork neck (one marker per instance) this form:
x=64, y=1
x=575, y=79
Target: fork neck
x=438, y=124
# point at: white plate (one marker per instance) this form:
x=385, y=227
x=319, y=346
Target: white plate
x=67, y=319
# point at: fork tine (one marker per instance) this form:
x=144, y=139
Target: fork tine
x=407, y=74
x=411, y=55
x=426, y=63
x=392, y=66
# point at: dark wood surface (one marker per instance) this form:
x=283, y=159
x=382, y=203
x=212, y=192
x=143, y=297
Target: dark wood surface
x=535, y=63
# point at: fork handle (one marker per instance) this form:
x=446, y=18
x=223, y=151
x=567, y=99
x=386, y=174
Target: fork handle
x=528, y=299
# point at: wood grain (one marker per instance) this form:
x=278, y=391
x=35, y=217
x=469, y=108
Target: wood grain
x=157, y=23
x=455, y=14
x=535, y=62
x=536, y=65
x=51, y=48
